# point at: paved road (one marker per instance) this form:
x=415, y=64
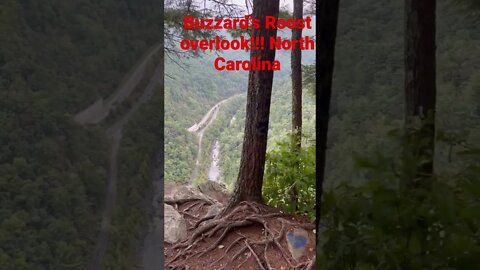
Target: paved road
x=199, y=129
x=102, y=240
x=115, y=133
x=97, y=113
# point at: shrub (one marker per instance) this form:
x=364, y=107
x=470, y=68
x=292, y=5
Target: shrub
x=384, y=223
x=288, y=169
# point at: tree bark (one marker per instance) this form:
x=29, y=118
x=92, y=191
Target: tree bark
x=420, y=86
x=296, y=65
x=327, y=13
x=252, y=163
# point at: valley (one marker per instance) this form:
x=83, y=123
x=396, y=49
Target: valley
x=199, y=129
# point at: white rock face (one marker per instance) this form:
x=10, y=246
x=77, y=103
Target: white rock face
x=175, y=225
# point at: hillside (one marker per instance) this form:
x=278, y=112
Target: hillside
x=190, y=91
x=56, y=58
x=192, y=87
x=231, y=135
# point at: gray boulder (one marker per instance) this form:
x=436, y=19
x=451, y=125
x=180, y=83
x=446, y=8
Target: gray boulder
x=215, y=190
x=175, y=225
x=188, y=192
x=214, y=209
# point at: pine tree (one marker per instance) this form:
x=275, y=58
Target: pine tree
x=250, y=178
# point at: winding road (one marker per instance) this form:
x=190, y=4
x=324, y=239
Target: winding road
x=115, y=133
x=100, y=109
x=200, y=127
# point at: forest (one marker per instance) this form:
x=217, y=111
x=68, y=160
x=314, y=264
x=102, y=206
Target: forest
x=378, y=211
x=56, y=58
x=370, y=219
x=220, y=124
x=189, y=93
x=192, y=86
x=367, y=99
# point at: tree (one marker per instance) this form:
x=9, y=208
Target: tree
x=327, y=31
x=296, y=65
x=250, y=178
x=174, y=32
x=420, y=86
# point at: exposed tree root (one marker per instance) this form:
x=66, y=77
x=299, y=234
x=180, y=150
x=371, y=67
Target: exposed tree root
x=204, y=219
x=255, y=255
x=194, y=204
x=186, y=200
x=311, y=265
x=188, y=214
x=306, y=226
x=246, y=214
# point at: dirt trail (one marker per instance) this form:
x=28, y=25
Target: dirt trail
x=115, y=133
x=200, y=127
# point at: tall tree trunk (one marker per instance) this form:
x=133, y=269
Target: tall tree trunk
x=250, y=177
x=327, y=13
x=296, y=66
x=420, y=87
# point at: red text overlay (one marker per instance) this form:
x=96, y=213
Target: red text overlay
x=244, y=42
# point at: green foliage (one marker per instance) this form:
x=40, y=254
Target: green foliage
x=367, y=97
x=190, y=91
x=56, y=58
x=231, y=138
x=395, y=221
x=193, y=86
x=309, y=73
x=373, y=216
x=289, y=181
x=140, y=146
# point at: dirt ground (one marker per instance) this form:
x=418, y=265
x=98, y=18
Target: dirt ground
x=236, y=243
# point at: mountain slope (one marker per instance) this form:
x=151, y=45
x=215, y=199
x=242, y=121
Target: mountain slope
x=57, y=57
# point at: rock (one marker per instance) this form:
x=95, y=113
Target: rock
x=214, y=209
x=188, y=192
x=297, y=242
x=215, y=190
x=175, y=225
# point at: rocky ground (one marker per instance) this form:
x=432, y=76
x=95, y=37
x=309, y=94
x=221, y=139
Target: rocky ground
x=252, y=236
